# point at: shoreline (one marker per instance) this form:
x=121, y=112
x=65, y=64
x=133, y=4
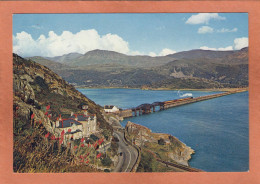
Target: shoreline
x=167, y=89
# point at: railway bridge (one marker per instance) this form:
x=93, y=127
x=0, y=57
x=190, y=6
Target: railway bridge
x=150, y=108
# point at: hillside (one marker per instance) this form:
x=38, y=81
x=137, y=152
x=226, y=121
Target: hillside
x=229, y=75
x=49, y=63
x=65, y=59
x=231, y=57
x=209, y=54
x=97, y=57
x=195, y=69
x=36, y=87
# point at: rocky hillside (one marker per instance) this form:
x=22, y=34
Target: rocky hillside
x=36, y=87
x=165, y=146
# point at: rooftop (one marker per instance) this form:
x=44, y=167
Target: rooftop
x=68, y=123
x=81, y=117
x=109, y=106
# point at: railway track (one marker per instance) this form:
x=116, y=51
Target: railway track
x=180, y=166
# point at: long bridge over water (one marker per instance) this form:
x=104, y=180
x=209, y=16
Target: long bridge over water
x=150, y=108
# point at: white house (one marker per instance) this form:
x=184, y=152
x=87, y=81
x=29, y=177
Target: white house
x=111, y=109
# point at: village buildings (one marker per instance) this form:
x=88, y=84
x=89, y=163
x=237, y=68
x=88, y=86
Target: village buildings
x=76, y=126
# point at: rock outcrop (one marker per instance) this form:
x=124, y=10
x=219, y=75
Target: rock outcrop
x=160, y=143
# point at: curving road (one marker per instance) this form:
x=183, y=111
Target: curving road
x=129, y=155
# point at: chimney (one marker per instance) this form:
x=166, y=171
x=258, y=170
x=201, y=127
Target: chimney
x=76, y=117
x=95, y=117
x=85, y=112
x=60, y=117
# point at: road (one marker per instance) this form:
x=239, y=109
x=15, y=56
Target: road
x=129, y=154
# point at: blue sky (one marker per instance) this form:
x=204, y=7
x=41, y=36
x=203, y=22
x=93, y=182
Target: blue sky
x=135, y=34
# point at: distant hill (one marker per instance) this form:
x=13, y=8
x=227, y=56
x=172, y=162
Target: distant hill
x=101, y=68
x=66, y=58
x=48, y=63
x=195, y=54
x=97, y=57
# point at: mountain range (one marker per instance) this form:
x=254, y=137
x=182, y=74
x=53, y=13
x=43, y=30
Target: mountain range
x=187, y=69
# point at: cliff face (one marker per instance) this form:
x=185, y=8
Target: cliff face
x=164, y=146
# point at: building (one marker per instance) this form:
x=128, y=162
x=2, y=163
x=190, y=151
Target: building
x=89, y=122
x=76, y=126
x=111, y=109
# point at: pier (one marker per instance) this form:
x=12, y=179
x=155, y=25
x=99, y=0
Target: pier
x=150, y=108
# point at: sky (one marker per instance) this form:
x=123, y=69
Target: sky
x=154, y=34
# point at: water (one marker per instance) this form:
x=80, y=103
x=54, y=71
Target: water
x=216, y=129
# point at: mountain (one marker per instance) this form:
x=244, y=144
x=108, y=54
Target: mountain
x=66, y=58
x=35, y=87
x=195, y=54
x=48, y=63
x=228, y=57
x=189, y=69
x=97, y=57
x=229, y=69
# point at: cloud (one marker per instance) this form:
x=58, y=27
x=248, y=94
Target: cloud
x=166, y=52
x=217, y=49
x=67, y=42
x=240, y=43
x=226, y=48
x=203, y=18
x=152, y=54
x=225, y=30
x=163, y=52
x=205, y=29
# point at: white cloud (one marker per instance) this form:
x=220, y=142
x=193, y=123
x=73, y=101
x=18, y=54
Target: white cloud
x=226, y=48
x=225, y=30
x=166, y=51
x=217, y=49
x=152, y=54
x=207, y=48
x=240, y=43
x=205, y=29
x=203, y=18
x=67, y=42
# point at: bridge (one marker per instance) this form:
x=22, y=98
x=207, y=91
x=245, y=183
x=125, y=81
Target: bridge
x=149, y=108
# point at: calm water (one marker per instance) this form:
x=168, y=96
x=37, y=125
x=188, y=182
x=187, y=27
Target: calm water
x=216, y=129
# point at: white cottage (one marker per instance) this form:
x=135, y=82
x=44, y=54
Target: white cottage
x=111, y=109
